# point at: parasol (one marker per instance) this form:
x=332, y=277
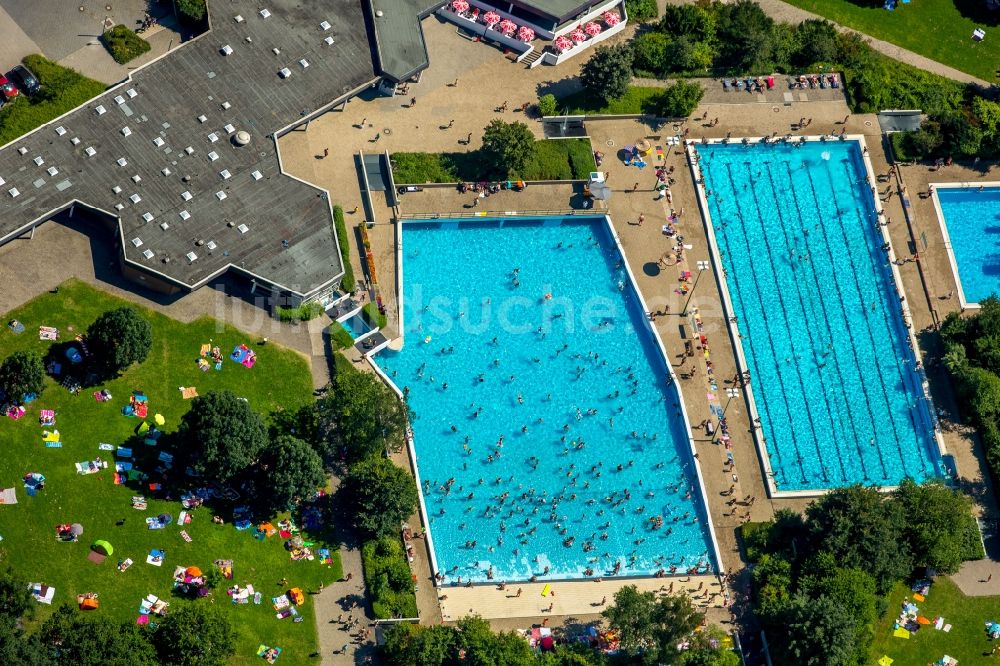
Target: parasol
x=643, y=146
x=592, y=29
x=193, y=571
x=491, y=18
x=563, y=43
x=76, y=529
x=612, y=18
x=507, y=26
x=600, y=191
x=578, y=35
x=460, y=5
x=525, y=34
x=159, y=419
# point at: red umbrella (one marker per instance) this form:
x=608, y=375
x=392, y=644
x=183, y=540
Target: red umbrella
x=525, y=34
x=592, y=29
x=612, y=18
x=460, y=5
x=578, y=35
x=563, y=43
x=507, y=27
x=490, y=18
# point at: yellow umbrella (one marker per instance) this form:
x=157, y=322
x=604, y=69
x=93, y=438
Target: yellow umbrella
x=886, y=660
x=159, y=419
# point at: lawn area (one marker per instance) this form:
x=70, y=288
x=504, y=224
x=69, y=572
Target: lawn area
x=638, y=99
x=967, y=640
x=63, y=89
x=555, y=159
x=933, y=28
x=280, y=379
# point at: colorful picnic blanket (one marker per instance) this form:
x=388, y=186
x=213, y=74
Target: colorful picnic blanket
x=90, y=466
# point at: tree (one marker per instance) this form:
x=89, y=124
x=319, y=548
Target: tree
x=117, y=339
x=680, y=99
x=484, y=648
x=223, y=436
x=689, y=20
x=817, y=43
x=192, y=9
x=940, y=526
x=608, y=72
x=416, y=644
x=195, y=635
x=686, y=54
x=507, y=147
x=650, y=52
x=379, y=495
x=707, y=649
x=743, y=32
x=290, y=468
x=862, y=531
x=811, y=632
x=641, y=10
x=21, y=374
x=649, y=627
x=94, y=640
x=359, y=417
x=772, y=578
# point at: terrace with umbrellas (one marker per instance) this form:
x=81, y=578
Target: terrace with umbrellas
x=539, y=31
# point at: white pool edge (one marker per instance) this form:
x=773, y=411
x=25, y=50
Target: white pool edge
x=734, y=335
x=411, y=448
x=943, y=225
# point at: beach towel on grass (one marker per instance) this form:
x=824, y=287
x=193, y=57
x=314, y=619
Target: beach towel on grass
x=90, y=467
x=8, y=496
x=53, y=445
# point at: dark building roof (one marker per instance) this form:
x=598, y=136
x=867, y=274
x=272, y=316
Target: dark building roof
x=158, y=151
x=399, y=39
x=559, y=11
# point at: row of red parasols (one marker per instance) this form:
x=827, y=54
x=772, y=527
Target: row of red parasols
x=526, y=34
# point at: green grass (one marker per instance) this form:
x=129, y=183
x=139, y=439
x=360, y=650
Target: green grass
x=638, y=99
x=280, y=380
x=966, y=641
x=933, y=28
x=562, y=159
x=63, y=89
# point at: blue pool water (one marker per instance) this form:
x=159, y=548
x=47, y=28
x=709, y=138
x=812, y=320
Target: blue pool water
x=565, y=382
x=831, y=371
x=973, y=221
x=356, y=326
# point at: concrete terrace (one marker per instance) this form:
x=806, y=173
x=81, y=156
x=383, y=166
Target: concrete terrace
x=158, y=153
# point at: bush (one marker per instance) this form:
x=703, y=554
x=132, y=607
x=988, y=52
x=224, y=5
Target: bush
x=680, y=99
x=339, y=337
x=123, y=44
x=650, y=52
x=552, y=160
x=347, y=283
x=304, y=312
x=547, y=105
x=192, y=9
x=390, y=581
x=374, y=316
x=641, y=10
x=755, y=539
x=63, y=89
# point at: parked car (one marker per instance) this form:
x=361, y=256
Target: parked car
x=25, y=80
x=8, y=89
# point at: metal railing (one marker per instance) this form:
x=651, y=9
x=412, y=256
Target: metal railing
x=504, y=213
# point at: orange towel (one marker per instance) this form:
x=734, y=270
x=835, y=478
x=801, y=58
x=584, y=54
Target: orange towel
x=918, y=597
x=922, y=620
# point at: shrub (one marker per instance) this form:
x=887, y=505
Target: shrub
x=641, y=10
x=123, y=44
x=347, y=282
x=192, y=9
x=547, y=105
x=420, y=168
x=304, y=312
x=755, y=539
x=62, y=89
x=650, y=52
x=390, y=581
x=680, y=99
x=373, y=315
x=686, y=54
x=339, y=337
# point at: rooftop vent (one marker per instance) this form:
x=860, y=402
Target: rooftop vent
x=229, y=128
x=119, y=99
x=325, y=25
x=264, y=13
x=136, y=241
x=132, y=94
x=186, y=195
x=147, y=253
x=135, y=198
x=238, y=18
x=329, y=41
x=276, y=51
x=60, y=130
x=226, y=105
x=220, y=195
x=164, y=226
x=117, y=189
x=284, y=72
x=225, y=174
x=39, y=161
x=243, y=228
x=304, y=63
x=257, y=175
x=189, y=150
x=100, y=110
x=184, y=215
x=191, y=256
x=90, y=151
x=2, y=181
x=227, y=50
x=136, y=178
x=13, y=192
x=75, y=141
x=212, y=156
x=242, y=138
x=202, y=118
x=147, y=216
x=166, y=171
x=122, y=162
x=52, y=172
x=119, y=206
x=159, y=142
x=211, y=245
x=213, y=137
x=126, y=131
x=22, y=151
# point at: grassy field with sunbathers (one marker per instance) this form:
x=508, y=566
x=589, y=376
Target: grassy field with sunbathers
x=280, y=379
x=967, y=641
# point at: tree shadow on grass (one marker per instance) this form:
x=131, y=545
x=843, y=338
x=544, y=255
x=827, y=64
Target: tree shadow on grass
x=978, y=11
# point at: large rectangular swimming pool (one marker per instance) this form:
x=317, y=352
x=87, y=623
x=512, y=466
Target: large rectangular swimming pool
x=832, y=371
x=549, y=438
x=971, y=219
